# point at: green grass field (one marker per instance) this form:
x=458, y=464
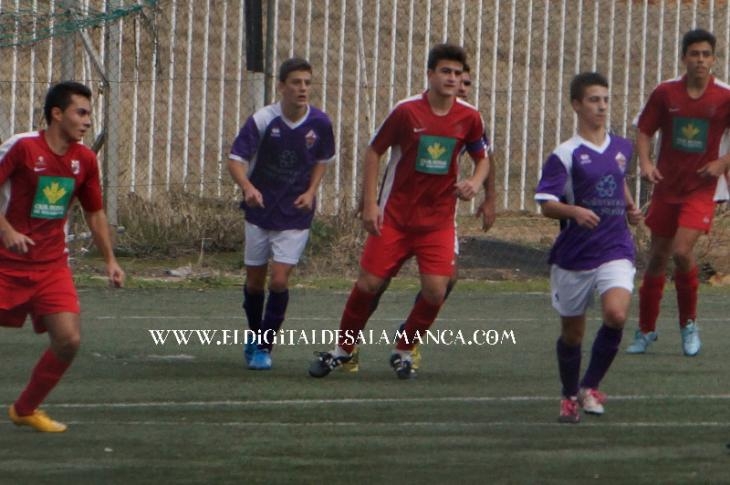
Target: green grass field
x=141, y=413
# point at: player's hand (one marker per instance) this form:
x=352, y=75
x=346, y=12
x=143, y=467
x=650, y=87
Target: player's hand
x=16, y=242
x=585, y=218
x=633, y=214
x=488, y=213
x=253, y=197
x=651, y=174
x=116, y=274
x=305, y=202
x=714, y=168
x=372, y=219
x=466, y=189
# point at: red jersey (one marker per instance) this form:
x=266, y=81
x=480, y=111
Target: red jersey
x=36, y=189
x=691, y=131
x=418, y=188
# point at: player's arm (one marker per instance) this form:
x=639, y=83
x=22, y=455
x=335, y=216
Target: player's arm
x=372, y=219
x=643, y=149
x=633, y=213
x=716, y=168
x=239, y=171
x=487, y=209
x=306, y=200
x=467, y=189
x=555, y=209
x=99, y=227
x=12, y=239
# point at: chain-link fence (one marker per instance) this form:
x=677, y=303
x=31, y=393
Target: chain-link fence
x=175, y=79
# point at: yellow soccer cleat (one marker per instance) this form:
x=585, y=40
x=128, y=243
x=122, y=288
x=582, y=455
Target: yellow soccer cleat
x=38, y=421
x=352, y=365
x=416, y=357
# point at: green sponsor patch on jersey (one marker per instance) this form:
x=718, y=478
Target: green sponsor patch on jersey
x=52, y=197
x=434, y=154
x=690, y=134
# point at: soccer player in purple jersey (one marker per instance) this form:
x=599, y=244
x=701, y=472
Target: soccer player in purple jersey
x=278, y=160
x=583, y=183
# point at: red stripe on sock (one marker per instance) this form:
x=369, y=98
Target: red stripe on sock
x=46, y=374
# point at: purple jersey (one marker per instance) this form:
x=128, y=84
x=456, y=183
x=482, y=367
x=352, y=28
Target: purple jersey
x=281, y=156
x=581, y=173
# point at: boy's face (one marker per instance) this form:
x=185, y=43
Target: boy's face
x=75, y=120
x=445, y=78
x=295, y=90
x=592, y=109
x=464, y=86
x=698, y=59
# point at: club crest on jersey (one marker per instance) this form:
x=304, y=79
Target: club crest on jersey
x=621, y=161
x=40, y=164
x=75, y=167
x=310, y=139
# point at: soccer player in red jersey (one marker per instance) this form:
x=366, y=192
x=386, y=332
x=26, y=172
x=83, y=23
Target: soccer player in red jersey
x=692, y=114
x=41, y=173
x=414, y=213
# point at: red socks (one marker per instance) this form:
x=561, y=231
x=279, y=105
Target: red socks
x=650, y=296
x=45, y=376
x=686, y=285
x=419, y=320
x=357, y=311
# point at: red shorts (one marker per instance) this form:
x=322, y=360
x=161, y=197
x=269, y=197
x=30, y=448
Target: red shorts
x=36, y=293
x=384, y=255
x=695, y=212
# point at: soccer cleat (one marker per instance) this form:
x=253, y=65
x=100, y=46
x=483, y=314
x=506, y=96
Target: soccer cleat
x=591, y=400
x=352, y=365
x=260, y=360
x=691, y=339
x=569, y=411
x=249, y=348
x=401, y=366
x=415, y=352
x=326, y=363
x=641, y=342
x=38, y=421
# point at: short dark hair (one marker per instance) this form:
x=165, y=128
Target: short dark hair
x=466, y=68
x=291, y=65
x=449, y=52
x=59, y=96
x=583, y=80
x=697, y=35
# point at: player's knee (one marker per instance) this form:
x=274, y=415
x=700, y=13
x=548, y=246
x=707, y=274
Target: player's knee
x=615, y=317
x=572, y=338
x=683, y=257
x=67, y=346
x=278, y=284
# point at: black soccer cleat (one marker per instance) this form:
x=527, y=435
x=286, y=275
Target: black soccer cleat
x=325, y=363
x=401, y=366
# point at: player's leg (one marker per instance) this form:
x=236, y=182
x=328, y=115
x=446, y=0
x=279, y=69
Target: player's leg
x=568, y=350
x=381, y=259
x=65, y=335
x=695, y=219
x=615, y=283
x=257, y=250
x=286, y=248
x=353, y=365
x=662, y=219
x=571, y=295
x=435, y=256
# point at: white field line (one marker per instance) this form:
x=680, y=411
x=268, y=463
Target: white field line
x=368, y=401
x=397, y=424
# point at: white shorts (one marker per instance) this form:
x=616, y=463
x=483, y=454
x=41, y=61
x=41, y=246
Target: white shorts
x=282, y=246
x=572, y=291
